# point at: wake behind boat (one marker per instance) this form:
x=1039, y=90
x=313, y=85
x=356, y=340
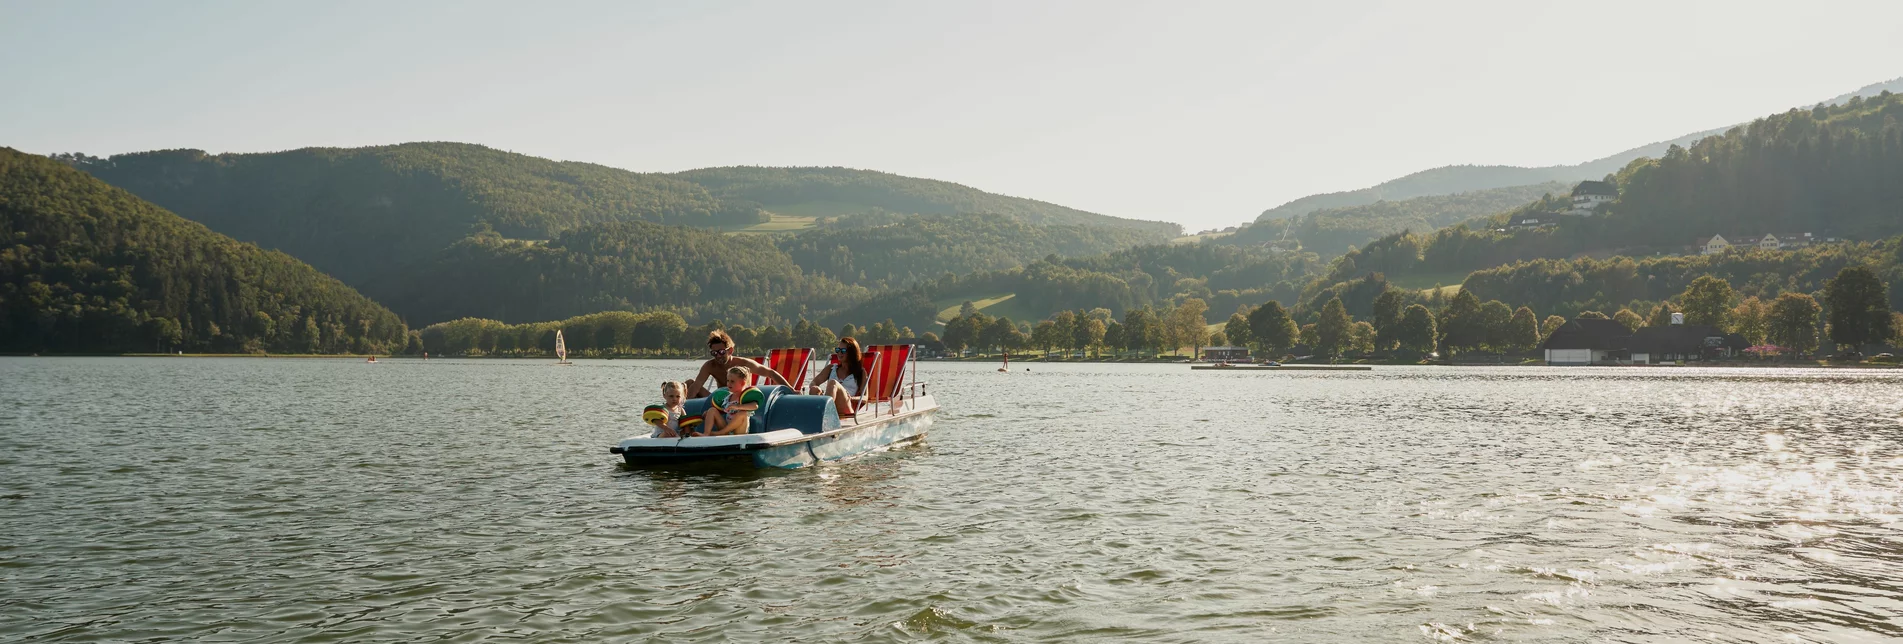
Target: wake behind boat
x=793, y=430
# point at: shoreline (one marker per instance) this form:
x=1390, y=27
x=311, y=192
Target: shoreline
x=1720, y=364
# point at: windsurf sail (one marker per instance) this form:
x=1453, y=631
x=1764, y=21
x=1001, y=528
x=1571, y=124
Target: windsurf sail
x=561, y=347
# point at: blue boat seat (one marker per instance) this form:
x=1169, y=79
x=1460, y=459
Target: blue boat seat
x=783, y=409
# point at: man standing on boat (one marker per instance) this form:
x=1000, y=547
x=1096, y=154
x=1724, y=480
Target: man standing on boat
x=720, y=345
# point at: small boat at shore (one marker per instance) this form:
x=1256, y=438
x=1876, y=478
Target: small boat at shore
x=792, y=430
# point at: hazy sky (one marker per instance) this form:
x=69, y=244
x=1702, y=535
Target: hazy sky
x=1203, y=114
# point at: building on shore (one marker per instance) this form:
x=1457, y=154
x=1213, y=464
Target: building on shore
x=1587, y=341
x=1225, y=354
x=1680, y=342
x=1596, y=341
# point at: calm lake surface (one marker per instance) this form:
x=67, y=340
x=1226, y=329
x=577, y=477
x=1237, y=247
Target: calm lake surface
x=331, y=500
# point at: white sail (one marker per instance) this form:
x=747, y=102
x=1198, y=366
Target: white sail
x=561, y=348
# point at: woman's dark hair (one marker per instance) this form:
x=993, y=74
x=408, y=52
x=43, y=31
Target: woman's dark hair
x=853, y=364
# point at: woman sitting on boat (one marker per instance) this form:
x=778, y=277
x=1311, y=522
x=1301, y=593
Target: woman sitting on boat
x=731, y=408
x=843, y=378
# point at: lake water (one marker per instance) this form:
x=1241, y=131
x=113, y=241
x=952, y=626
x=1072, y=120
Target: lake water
x=331, y=501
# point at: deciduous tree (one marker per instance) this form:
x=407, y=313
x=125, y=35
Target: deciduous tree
x=1416, y=331
x=1792, y=323
x=1272, y=328
x=1708, y=301
x=1331, y=331
x=1859, y=306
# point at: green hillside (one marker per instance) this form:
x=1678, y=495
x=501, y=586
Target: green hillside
x=1331, y=231
x=445, y=230
x=361, y=212
x=1467, y=178
x=835, y=192
x=1829, y=171
x=627, y=266
x=1607, y=285
x=91, y=268
x=1153, y=275
x=928, y=246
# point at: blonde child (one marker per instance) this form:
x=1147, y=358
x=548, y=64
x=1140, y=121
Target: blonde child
x=666, y=418
x=733, y=406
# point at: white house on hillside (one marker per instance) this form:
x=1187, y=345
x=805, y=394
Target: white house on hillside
x=1589, y=195
x=1787, y=241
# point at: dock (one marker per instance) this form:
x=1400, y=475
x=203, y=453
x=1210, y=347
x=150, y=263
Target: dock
x=1286, y=367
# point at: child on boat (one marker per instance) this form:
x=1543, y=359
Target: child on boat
x=666, y=418
x=731, y=408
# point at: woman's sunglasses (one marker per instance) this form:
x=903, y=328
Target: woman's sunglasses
x=839, y=349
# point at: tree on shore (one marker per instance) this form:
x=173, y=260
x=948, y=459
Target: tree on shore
x=1708, y=300
x=1523, y=330
x=1140, y=329
x=1090, y=332
x=1793, y=322
x=1550, y=324
x=1661, y=315
x=1859, y=307
x=1626, y=318
x=1416, y=330
x=1748, y=320
x=1237, y=328
x=1272, y=328
x=1187, y=326
x=1063, y=332
x=1496, y=317
x=1361, y=337
x=1331, y=331
x=1385, y=319
x=1461, y=325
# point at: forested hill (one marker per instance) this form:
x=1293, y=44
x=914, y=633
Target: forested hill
x=1830, y=171
x=1464, y=178
x=91, y=268
x=361, y=212
x=1330, y=232
x=927, y=246
x=625, y=266
x=832, y=192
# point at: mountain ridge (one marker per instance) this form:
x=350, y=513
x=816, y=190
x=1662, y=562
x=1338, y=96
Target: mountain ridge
x=1464, y=178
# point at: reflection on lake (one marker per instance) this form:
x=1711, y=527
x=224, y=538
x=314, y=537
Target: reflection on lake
x=330, y=500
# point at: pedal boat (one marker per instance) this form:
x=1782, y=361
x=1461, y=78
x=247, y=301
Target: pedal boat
x=794, y=430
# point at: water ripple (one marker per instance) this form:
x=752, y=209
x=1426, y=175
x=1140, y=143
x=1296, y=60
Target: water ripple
x=328, y=500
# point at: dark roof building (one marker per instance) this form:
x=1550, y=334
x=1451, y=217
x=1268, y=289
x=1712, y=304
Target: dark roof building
x=1683, y=342
x=1588, y=333
x=1587, y=341
x=1601, y=188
